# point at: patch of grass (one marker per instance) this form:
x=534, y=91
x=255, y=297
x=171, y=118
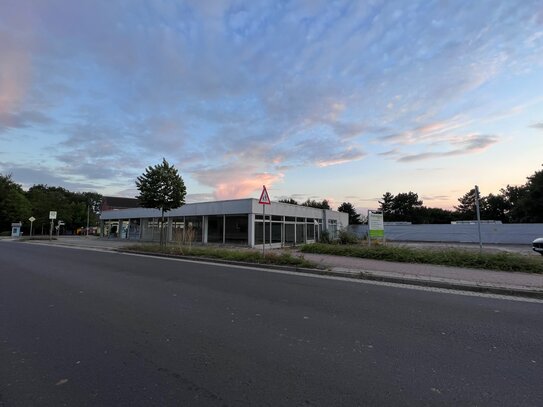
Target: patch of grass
x=242, y=255
x=444, y=257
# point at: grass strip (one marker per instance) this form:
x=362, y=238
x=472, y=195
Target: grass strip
x=247, y=256
x=444, y=257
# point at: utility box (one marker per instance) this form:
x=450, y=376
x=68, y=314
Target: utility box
x=16, y=229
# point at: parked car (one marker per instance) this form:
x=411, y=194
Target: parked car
x=537, y=245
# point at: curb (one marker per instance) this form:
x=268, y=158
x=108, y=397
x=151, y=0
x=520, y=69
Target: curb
x=363, y=275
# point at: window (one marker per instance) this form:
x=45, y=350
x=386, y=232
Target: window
x=236, y=229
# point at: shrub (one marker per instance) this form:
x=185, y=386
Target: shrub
x=346, y=237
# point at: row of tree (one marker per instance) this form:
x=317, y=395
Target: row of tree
x=513, y=204
x=71, y=207
x=347, y=207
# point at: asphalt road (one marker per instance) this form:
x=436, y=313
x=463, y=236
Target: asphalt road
x=88, y=328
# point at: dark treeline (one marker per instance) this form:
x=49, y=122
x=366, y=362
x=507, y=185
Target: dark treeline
x=71, y=207
x=513, y=204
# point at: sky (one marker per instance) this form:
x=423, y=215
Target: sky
x=337, y=100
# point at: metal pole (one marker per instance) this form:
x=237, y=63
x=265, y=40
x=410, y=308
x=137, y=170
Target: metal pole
x=31, y=228
x=51, y=230
x=369, y=232
x=263, y=228
x=88, y=210
x=478, y=208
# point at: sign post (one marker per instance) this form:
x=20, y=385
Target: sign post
x=52, y=216
x=264, y=200
x=31, y=219
x=376, y=225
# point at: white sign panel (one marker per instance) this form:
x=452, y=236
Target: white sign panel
x=53, y=215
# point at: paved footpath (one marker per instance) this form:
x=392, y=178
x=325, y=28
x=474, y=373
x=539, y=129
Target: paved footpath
x=513, y=283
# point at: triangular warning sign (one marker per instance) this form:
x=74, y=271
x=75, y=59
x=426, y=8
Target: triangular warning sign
x=264, y=197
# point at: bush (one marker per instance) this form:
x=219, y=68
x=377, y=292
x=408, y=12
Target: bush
x=346, y=237
x=451, y=257
x=5, y=233
x=325, y=237
x=242, y=255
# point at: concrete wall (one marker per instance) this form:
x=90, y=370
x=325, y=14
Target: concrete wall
x=517, y=233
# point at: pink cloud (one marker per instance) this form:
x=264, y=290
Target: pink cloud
x=245, y=187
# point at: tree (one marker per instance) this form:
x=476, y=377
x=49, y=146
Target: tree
x=404, y=206
x=161, y=187
x=467, y=208
x=14, y=205
x=496, y=208
x=386, y=204
x=316, y=204
x=533, y=198
x=289, y=201
x=354, y=217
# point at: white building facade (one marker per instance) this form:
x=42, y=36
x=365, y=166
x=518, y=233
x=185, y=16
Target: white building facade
x=234, y=222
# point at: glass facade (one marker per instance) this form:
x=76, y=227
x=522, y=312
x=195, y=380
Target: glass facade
x=215, y=229
x=237, y=229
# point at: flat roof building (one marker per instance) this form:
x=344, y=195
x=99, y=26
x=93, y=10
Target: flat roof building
x=236, y=222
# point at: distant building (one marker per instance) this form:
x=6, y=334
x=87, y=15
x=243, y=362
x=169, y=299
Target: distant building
x=236, y=222
x=113, y=202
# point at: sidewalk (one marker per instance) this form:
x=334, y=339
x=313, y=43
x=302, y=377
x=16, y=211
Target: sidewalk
x=431, y=275
x=498, y=282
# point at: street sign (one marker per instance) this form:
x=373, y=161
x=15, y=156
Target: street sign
x=31, y=219
x=264, y=197
x=376, y=226
x=52, y=214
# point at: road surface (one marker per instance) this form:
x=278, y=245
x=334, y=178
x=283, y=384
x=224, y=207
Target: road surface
x=89, y=328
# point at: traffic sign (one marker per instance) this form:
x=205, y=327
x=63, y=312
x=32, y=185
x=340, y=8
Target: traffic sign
x=52, y=214
x=264, y=197
x=32, y=219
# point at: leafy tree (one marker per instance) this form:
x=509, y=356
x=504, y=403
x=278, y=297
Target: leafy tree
x=289, y=201
x=532, y=201
x=354, y=217
x=386, y=204
x=14, y=205
x=161, y=187
x=496, y=208
x=513, y=197
x=428, y=215
x=467, y=208
x=404, y=206
x=316, y=204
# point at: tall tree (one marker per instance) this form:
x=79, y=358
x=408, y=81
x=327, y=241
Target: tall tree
x=466, y=208
x=14, y=205
x=289, y=201
x=354, y=217
x=386, y=204
x=533, y=198
x=161, y=187
x=404, y=206
x=316, y=204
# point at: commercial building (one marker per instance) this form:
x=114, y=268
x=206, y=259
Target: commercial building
x=236, y=222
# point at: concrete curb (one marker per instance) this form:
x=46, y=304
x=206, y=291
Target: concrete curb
x=365, y=275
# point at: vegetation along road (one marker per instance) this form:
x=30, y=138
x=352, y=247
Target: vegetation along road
x=94, y=328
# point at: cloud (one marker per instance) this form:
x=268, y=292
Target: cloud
x=236, y=91
x=22, y=120
x=467, y=145
x=235, y=181
x=537, y=125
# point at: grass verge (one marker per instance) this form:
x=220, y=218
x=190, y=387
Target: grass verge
x=248, y=256
x=445, y=257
